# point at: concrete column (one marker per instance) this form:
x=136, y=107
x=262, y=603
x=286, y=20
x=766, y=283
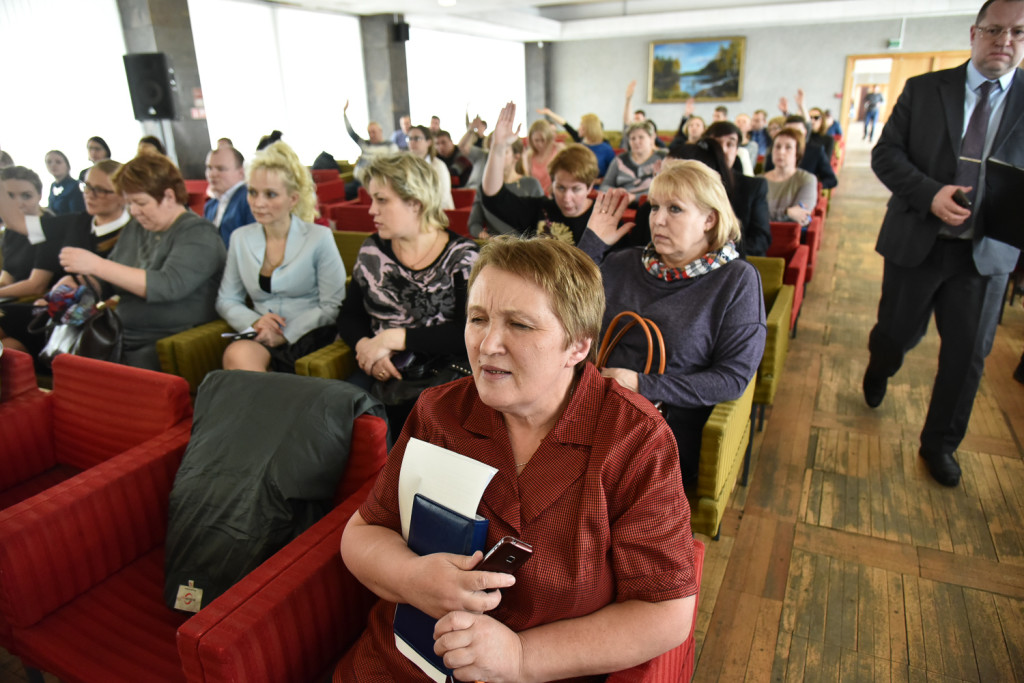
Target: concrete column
x=538, y=59
x=164, y=26
x=387, y=79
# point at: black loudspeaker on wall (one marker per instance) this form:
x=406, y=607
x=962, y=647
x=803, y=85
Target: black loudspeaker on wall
x=151, y=84
x=401, y=31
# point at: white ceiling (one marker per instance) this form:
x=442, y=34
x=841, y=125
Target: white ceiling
x=553, y=20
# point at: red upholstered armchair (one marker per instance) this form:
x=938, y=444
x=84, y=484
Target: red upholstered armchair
x=95, y=411
x=83, y=575
x=293, y=622
x=786, y=244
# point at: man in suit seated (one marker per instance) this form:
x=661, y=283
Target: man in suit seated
x=228, y=207
x=814, y=160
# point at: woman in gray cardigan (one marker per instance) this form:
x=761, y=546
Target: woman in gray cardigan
x=166, y=265
x=287, y=267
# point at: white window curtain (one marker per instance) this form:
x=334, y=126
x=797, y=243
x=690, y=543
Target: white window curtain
x=265, y=67
x=63, y=82
x=451, y=74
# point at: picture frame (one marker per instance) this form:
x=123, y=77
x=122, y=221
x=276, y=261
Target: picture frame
x=707, y=69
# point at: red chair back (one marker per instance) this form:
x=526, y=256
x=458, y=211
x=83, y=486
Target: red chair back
x=323, y=175
x=785, y=239
x=352, y=217
x=458, y=220
x=364, y=196
x=330, y=191
x=463, y=197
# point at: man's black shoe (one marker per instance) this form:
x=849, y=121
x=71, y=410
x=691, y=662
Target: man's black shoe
x=1018, y=374
x=943, y=467
x=875, y=385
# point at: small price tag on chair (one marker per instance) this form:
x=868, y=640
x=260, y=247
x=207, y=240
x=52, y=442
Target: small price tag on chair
x=190, y=598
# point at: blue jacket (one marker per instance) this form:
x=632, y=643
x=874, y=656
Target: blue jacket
x=237, y=214
x=306, y=289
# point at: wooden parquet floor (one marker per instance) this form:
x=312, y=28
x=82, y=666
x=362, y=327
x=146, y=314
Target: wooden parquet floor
x=842, y=559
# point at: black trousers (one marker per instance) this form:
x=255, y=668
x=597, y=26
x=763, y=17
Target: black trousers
x=966, y=306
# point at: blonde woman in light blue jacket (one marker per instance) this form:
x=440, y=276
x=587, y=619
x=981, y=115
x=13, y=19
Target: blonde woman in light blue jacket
x=284, y=279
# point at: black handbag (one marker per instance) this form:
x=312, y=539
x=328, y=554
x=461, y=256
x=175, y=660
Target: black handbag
x=419, y=376
x=99, y=335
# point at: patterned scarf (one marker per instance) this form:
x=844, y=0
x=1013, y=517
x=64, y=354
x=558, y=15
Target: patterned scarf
x=701, y=266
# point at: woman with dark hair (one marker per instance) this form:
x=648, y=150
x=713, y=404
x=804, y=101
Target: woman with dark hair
x=150, y=144
x=748, y=196
x=166, y=265
x=792, y=191
x=65, y=197
x=97, y=230
x=573, y=172
x=23, y=274
x=421, y=143
x=98, y=150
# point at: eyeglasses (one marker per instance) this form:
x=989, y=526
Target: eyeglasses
x=815, y=118
x=995, y=32
x=416, y=138
x=95, y=191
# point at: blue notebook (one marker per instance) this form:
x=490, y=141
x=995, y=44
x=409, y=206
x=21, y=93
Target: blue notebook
x=434, y=528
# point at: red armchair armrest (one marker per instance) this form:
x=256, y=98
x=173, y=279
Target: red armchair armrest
x=17, y=375
x=676, y=665
x=290, y=619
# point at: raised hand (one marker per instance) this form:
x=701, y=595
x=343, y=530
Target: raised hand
x=503, y=133
x=608, y=209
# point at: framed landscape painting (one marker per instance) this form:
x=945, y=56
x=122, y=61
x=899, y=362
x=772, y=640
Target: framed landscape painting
x=706, y=69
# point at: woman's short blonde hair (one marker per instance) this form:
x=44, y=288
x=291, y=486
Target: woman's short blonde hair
x=282, y=159
x=578, y=161
x=645, y=126
x=693, y=182
x=569, y=277
x=412, y=179
x=591, y=128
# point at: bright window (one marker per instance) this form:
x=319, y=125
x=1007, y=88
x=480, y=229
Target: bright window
x=452, y=73
x=264, y=68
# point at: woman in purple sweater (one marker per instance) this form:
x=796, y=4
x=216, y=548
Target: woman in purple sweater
x=690, y=281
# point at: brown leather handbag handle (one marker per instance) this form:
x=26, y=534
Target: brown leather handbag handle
x=650, y=330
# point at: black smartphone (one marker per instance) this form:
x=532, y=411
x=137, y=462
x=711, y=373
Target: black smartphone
x=962, y=199
x=507, y=556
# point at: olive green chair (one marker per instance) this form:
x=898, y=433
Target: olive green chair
x=193, y=353
x=724, y=455
x=778, y=305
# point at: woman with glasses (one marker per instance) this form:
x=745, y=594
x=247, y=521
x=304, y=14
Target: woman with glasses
x=96, y=229
x=65, y=197
x=565, y=213
x=421, y=143
x=166, y=265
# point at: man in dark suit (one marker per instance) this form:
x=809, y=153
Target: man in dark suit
x=228, y=207
x=937, y=257
x=814, y=160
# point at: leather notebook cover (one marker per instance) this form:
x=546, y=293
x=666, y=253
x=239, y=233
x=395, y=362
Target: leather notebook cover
x=1003, y=220
x=435, y=529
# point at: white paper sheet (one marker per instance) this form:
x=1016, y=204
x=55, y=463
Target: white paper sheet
x=444, y=476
